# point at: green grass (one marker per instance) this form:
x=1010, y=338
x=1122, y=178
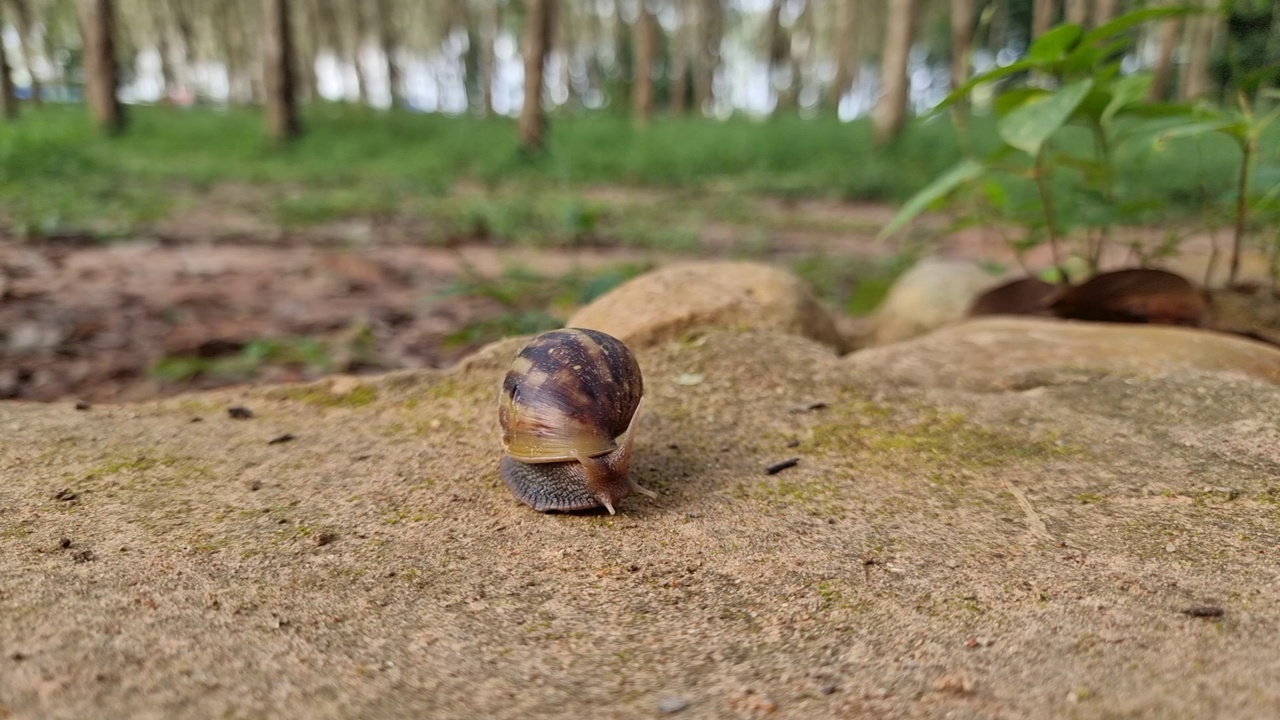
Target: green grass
x=57, y=174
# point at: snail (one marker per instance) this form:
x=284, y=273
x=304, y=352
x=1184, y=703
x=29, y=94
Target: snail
x=1027, y=296
x=568, y=409
x=1136, y=295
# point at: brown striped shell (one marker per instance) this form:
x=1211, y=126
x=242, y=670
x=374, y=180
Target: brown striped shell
x=569, y=394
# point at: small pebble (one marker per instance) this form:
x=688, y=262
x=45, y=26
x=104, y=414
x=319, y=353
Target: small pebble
x=66, y=495
x=239, y=412
x=281, y=439
x=1205, y=611
x=325, y=538
x=82, y=405
x=83, y=556
x=779, y=467
x=64, y=543
x=671, y=705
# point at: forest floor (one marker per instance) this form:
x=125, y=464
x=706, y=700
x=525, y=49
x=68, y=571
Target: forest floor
x=221, y=292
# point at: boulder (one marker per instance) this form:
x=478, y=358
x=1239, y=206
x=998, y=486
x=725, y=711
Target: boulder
x=994, y=353
x=669, y=302
x=934, y=292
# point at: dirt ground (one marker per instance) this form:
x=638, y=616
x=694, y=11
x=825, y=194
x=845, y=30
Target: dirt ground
x=216, y=285
x=1100, y=547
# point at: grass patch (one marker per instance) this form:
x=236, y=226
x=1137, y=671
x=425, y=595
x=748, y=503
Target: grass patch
x=57, y=173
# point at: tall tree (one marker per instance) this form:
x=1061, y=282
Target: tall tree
x=281, y=98
x=843, y=55
x=539, y=22
x=491, y=24
x=644, y=41
x=27, y=40
x=1043, y=13
x=389, y=39
x=709, y=33
x=891, y=109
x=961, y=40
x=8, y=99
x=681, y=53
x=97, y=22
x=1167, y=42
x=1104, y=11
x=1076, y=11
x=1202, y=33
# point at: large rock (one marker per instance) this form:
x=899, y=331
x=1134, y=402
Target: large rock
x=1102, y=548
x=1010, y=352
x=934, y=292
x=664, y=304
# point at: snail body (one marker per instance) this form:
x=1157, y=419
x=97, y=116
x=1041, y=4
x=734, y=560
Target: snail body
x=568, y=408
x=1137, y=295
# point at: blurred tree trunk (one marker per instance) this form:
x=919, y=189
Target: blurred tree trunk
x=358, y=36
x=961, y=40
x=644, y=40
x=709, y=33
x=1076, y=11
x=843, y=55
x=777, y=50
x=8, y=99
x=1202, y=33
x=891, y=109
x=1043, y=13
x=1167, y=42
x=680, y=59
x=186, y=35
x=1104, y=11
x=539, y=21
x=281, y=99
x=26, y=42
x=305, y=51
x=97, y=21
x=389, y=39
x=488, y=57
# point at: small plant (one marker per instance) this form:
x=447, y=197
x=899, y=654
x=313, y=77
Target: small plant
x=1074, y=80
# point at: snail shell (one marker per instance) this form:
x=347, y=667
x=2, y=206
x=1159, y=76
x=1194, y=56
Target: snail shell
x=568, y=408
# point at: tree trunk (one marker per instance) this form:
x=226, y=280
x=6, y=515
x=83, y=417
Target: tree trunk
x=891, y=110
x=281, y=100
x=1104, y=11
x=709, y=34
x=777, y=48
x=390, y=41
x=97, y=21
x=26, y=42
x=532, y=126
x=8, y=99
x=305, y=52
x=1195, y=80
x=1043, y=13
x=488, y=57
x=644, y=40
x=680, y=59
x=1168, y=42
x=961, y=40
x=1076, y=11
x=843, y=53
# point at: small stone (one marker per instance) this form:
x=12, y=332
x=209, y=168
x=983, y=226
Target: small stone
x=83, y=556
x=286, y=437
x=1204, y=611
x=64, y=543
x=82, y=405
x=66, y=495
x=1170, y=548
x=239, y=412
x=671, y=705
x=828, y=688
x=325, y=538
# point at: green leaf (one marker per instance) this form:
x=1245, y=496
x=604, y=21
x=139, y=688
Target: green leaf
x=976, y=80
x=967, y=170
x=1235, y=129
x=1134, y=19
x=1014, y=98
x=1052, y=46
x=1124, y=91
x=1028, y=127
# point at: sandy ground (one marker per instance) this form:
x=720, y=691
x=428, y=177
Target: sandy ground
x=1102, y=548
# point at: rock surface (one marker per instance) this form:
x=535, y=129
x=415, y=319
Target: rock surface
x=1001, y=353
x=1105, y=547
x=664, y=304
x=933, y=293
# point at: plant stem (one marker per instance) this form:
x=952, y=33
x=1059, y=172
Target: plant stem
x=1046, y=202
x=1242, y=207
x=1103, y=149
